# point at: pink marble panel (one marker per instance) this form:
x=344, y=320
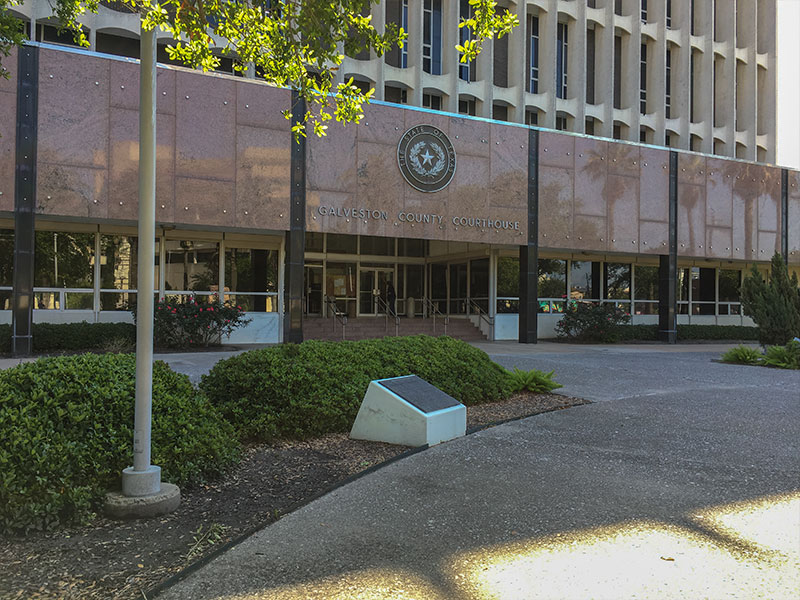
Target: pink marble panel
x=768, y=244
x=555, y=207
x=653, y=237
x=331, y=162
x=691, y=169
x=262, y=178
x=71, y=191
x=205, y=136
x=204, y=202
x=123, y=159
x=556, y=150
x=691, y=220
x=381, y=124
x=73, y=111
x=261, y=105
x=468, y=188
x=745, y=224
x=380, y=184
x=719, y=195
x=794, y=229
x=623, y=213
x=10, y=85
x=718, y=242
x=591, y=177
x=794, y=184
x=470, y=136
x=8, y=139
x=328, y=222
x=769, y=209
x=508, y=181
x=623, y=159
x=654, y=184
x=123, y=85
x=419, y=117
x=590, y=233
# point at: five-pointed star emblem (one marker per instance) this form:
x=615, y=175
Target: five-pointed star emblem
x=426, y=158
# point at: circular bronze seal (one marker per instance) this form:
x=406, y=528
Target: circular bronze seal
x=426, y=158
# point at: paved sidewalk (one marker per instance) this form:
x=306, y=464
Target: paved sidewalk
x=682, y=482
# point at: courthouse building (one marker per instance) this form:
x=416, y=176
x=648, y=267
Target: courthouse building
x=605, y=151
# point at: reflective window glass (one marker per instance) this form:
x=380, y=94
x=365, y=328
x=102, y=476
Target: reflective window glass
x=6, y=257
x=377, y=246
x=552, y=278
x=409, y=247
x=618, y=281
x=508, y=277
x=729, y=284
x=251, y=270
x=64, y=259
x=314, y=241
x=584, y=280
x=191, y=265
x=342, y=244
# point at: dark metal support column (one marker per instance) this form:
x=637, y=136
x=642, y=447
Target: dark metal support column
x=529, y=254
x=25, y=200
x=785, y=215
x=668, y=265
x=295, y=237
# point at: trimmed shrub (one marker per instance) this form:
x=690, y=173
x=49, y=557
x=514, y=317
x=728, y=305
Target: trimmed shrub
x=742, y=355
x=586, y=322
x=717, y=332
x=58, y=337
x=67, y=426
x=534, y=380
x=309, y=389
x=783, y=357
x=773, y=305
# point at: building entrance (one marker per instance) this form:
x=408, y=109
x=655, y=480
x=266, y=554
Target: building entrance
x=312, y=291
x=373, y=286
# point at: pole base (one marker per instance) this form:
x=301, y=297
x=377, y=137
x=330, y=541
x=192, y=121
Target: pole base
x=119, y=506
x=141, y=483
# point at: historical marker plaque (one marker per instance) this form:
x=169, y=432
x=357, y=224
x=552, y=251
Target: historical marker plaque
x=420, y=393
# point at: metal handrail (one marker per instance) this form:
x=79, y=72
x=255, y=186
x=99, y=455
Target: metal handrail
x=432, y=310
x=384, y=305
x=482, y=314
x=337, y=314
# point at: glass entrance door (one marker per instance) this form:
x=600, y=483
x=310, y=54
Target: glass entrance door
x=373, y=284
x=312, y=291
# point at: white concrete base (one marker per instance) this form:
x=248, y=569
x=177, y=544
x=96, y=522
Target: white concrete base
x=141, y=483
x=119, y=506
x=386, y=417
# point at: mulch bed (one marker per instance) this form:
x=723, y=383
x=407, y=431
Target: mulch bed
x=113, y=559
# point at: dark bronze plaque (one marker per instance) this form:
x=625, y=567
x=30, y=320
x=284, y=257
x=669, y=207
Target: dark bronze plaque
x=426, y=158
x=420, y=393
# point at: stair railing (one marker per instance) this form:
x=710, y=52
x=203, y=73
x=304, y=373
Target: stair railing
x=384, y=306
x=338, y=315
x=475, y=308
x=432, y=310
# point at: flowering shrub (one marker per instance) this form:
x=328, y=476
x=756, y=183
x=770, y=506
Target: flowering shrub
x=586, y=322
x=185, y=324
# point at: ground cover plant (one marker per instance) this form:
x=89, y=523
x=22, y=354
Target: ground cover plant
x=67, y=426
x=780, y=357
x=310, y=389
x=532, y=381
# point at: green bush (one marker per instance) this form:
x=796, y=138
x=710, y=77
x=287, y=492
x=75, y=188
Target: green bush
x=587, y=322
x=65, y=337
x=717, y=332
x=67, y=426
x=783, y=357
x=774, y=305
x=313, y=388
x=742, y=355
x=534, y=380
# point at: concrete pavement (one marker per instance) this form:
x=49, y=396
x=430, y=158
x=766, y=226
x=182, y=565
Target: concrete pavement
x=681, y=482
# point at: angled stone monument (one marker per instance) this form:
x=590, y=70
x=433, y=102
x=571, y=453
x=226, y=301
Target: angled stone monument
x=408, y=411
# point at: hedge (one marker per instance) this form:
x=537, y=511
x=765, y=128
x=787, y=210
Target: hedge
x=309, y=389
x=67, y=426
x=54, y=337
x=690, y=333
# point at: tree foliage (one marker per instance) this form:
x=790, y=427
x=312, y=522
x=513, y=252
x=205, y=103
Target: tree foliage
x=294, y=43
x=774, y=304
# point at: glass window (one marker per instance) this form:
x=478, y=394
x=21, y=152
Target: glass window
x=251, y=270
x=730, y=282
x=533, y=54
x=342, y=244
x=646, y=290
x=618, y=281
x=415, y=281
x=340, y=284
x=314, y=242
x=432, y=37
x=6, y=257
x=584, y=280
x=191, y=265
x=119, y=256
x=479, y=282
x=408, y=247
x=64, y=259
x=552, y=278
x=377, y=246
x=561, y=60
x=508, y=277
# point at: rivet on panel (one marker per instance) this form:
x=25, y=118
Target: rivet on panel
x=633, y=241
x=51, y=76
x=683, y=169
x=120, y=202
x=49, y=197
x=613, y=240
x=247, y=106
x=185, y=208
x=225, y=103
x=644, y=243
x=566, y=236
x=246, y=212
x=163, y=206
x=348, y=220
x=398, y=129
x=94, y=201
x=163, y=93
x=579, y=155
x=122, y=87
x=602, y=240
x=545, y=149
x=602, y=158
x=634, y=162
x=97, y=83
x=366, y=123
x=737, y=250
x=615, y=160
x=281, y=215
x=567, y=153
x=644, y=164
x=727, y=248
x=187, y=97
x=498, y=143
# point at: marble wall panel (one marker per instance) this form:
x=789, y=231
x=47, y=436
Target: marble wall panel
x=8, y=139
x=590, y=233
x=555, y=207
x=469, y=189
x=769, y=200
x=653, y=237
x=691, y=168
x=262, y=181
x=623, y=159
x=591, y=177
x=124, y=87
x=556, y=150
x=380, y=184
x=71, y=131
x=10, y=85
x=123, y=194
x=261, y=105
x=419, y=204
x=381, y=124
x=204, y=202
x=745, y=224
x=205, y=136
x=331, y=160
x=768, y=244
x=719, y=242
x=691, y=220
x=315, y=221
x=67, y=190
x=508, y=180
x=654, y=185
x=719, y=195
x=470, y=136
x=623, y=213
x=421, y=117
